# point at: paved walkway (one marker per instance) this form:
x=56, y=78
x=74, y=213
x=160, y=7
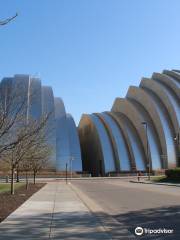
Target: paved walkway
x=55, y=212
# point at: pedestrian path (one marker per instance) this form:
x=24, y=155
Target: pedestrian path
x=54, y=212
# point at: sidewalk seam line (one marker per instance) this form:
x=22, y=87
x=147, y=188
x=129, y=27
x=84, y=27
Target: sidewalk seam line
x=52, y=215
x=93, y=213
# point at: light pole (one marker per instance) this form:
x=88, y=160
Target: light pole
x=177, y=141
x=147, y=149
x=71, y=159
x=66, y=172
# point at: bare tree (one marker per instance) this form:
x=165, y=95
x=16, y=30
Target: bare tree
x=38, y=152
x=19, y=134
x=13, y=104
x=38, y=155
x=12, y=157
x=13, y=115
x=8, y=20
x=27, y=138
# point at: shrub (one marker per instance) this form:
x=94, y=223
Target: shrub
x=173, y=173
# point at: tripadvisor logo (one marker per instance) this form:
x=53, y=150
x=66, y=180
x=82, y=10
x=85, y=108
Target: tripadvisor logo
x=139, y=231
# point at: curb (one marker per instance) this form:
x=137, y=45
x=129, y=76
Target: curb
x=91, y=206
x=153, y=183
x=108, y=223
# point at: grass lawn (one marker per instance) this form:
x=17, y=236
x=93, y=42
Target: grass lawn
x=164, y=179
x=5, y=187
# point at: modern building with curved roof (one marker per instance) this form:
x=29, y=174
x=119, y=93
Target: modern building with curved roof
x=140, y=131
x=61, y=130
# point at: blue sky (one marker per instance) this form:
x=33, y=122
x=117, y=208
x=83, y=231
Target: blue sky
x=90, y=51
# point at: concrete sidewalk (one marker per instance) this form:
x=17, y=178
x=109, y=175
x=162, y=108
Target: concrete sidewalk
x=54, y=212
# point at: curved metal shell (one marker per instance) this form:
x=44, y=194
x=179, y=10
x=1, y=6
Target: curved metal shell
x=167, y=128
x=36, y=101
x=62, y=138
x=174, y=74
x=74, y=144
x=147, y=120
x=91, y=149
x=48, y=108
x=117, y=119
x=35, y=106
x=168, y=101
x=121, y=154
x=142, y=98
x=169, y=82
x=126, y=108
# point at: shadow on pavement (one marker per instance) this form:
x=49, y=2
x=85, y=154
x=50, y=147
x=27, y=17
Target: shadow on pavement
x=76, y=225
x=65, y=225
x=153, y=218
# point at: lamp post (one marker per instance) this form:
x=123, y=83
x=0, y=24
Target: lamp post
x=71, y=159
x=147, y=149
x=177, y=141
x=66, y=172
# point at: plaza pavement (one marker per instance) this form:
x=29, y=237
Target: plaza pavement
x=54, y=212
x=132, y=205
x=94, y=209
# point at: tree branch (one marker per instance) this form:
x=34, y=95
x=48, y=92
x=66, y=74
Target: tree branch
x=6, y=21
